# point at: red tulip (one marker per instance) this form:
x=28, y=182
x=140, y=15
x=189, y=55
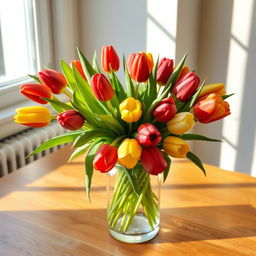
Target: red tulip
x=70, y=120
x=186, y=86
x=53, y=79
x=153, y=161
x=165, y=110
x=35, y=92
x=109, y=59
x=105, y=158
x=79, y=67
x=139, y=66
x=164, y=70
x=101, y=87
x=211, y=108
x=148, y=135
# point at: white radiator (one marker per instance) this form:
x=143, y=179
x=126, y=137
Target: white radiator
x=13, y=150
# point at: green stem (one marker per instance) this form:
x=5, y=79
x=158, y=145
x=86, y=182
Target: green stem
x=136, y=90
x=66, y=92
x=130, y=129
x=111, y=109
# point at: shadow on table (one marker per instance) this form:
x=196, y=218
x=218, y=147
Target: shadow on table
x=177, y=224
x=206, y=223
x=175, y=186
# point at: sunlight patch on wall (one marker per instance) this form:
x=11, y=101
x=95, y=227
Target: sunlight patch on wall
x=161, y=27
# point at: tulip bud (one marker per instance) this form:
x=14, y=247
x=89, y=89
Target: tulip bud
x=211, y=108
x=212, y=88
x=79, y=67
x=164, y=71
x=148, y=135
x=129, y=153
x=176, y=147
x=35, y=92
x=165, y=110
x=101, y=87
x=105, y=158
x=70, y=120
x=181, y=123
x=109, y=59
x=139, y=66
x=186, y=86
x=53, y=79
x=35, y=116
x=130, y=110
x=153, y=161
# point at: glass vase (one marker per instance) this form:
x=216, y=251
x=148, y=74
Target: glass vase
x=133, y=207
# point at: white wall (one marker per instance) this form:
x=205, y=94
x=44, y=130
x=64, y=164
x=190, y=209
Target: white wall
x=228, y=53
x=218, y=35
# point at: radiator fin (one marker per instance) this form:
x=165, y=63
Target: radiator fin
x=13, y=150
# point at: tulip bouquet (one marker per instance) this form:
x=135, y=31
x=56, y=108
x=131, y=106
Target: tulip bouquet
x=138, y=129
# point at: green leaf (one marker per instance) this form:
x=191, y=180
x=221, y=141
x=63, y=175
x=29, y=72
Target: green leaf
x=89, y=135
x=227, y=96
x=86, y=113
x=191, y=136
x=35, y=78
x=133, y=181
x=196, y=161
x=112, y=123
x=55, y=104
x=79, y=151
x=169, y=161
x=95, y=63
x=176, y=73
x=86, y=95
x=195, y=96
x=68, y=73
x=119, y=90
x=88, y=69
x=129, y=83
x=89, y=166
x=58, y=140
x=151, y=91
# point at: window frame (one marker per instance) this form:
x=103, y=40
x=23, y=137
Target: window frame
x=10, y=97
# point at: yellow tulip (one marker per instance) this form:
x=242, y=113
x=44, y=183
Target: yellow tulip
x=129, y=153
x=176, y=147
x=130, y=110
x=35, y=116
x=181, y=123
x=212, y=88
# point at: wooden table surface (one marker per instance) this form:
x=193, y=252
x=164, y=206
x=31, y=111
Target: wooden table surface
x=44, y=211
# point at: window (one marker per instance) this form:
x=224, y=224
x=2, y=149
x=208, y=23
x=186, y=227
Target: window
x=17, y=41
x=26, y=45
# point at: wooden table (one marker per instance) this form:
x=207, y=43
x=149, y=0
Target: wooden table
x=44, y=211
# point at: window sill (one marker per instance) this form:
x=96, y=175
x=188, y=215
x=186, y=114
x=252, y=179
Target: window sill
x=7, y=126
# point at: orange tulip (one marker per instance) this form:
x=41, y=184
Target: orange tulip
x=79, y=67
x=211, y=108
x=140, y=66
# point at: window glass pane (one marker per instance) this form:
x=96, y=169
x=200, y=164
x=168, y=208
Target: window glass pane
x=17, y=40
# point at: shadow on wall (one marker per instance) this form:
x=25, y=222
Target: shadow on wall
x=223, y=48
x=247, y=124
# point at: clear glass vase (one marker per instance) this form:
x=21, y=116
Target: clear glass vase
x=133, y=217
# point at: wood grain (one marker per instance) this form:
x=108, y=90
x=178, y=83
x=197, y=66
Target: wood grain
x=44, y=211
